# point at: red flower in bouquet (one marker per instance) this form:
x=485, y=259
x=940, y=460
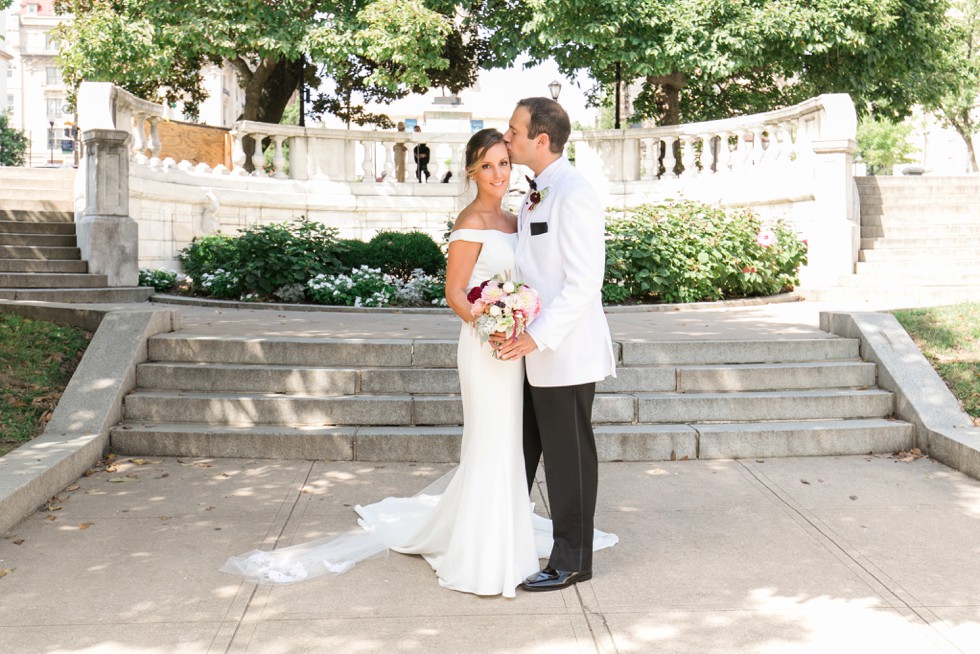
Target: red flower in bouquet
x=501, y=305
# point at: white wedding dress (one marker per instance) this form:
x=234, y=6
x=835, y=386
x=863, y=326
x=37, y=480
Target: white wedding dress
x=475, y=526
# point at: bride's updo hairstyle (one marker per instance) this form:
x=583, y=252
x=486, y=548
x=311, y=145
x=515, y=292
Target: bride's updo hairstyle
x=477, y=147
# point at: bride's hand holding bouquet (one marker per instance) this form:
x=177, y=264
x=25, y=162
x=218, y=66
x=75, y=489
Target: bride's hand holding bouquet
x=502, y=306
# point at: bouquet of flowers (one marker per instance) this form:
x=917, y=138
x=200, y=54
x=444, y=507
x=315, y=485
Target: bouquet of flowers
x=502, y=305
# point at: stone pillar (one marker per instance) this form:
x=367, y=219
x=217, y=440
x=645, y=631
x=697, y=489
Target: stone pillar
x=107, y=235
x=835, y=238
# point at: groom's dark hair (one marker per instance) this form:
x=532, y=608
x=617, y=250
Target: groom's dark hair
x=547, y=117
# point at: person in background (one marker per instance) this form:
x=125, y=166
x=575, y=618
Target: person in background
x=421, y=152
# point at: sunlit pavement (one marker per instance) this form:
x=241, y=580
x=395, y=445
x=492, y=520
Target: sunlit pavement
x=837, y=554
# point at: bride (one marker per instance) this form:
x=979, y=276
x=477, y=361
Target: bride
x=475, y=526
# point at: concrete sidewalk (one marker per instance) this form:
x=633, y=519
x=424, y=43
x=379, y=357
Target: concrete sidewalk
x=823, y=555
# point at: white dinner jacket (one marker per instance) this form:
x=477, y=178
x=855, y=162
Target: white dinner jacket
x=561, y=253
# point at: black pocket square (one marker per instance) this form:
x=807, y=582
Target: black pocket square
x=539, y=228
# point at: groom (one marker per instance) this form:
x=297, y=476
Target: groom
x=561, y=254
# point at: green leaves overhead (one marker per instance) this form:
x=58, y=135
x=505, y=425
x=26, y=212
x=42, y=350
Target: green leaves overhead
x=144, y=45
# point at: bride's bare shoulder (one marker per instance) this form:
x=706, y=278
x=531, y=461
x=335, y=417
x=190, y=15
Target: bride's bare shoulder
x=469, y=219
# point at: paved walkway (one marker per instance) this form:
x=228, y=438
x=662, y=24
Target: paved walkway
x=823, y=555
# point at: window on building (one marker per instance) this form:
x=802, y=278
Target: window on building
x=10, y=101
x=32, y=7
x=54, y=108
x=53, y=76
x=50, y=42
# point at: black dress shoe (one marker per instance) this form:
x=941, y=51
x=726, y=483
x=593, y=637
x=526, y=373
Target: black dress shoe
x=551, y=579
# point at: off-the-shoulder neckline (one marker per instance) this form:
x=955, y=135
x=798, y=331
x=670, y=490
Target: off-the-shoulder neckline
x=475, y=229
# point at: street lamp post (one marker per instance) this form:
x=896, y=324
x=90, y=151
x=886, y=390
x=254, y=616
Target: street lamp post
x=555, y=89
x=51, y=142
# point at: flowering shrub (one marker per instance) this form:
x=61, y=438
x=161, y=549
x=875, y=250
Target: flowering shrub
x=420, y=289
x=220, y=284
x=291, y=293
x=363, y=287
x=160, y=279
x=690, y=252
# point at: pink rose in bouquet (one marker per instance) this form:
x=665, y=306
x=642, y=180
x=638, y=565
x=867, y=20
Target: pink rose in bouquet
x=501, y=305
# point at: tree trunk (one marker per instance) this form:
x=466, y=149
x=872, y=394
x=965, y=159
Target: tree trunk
x=267, y=92
x=670, y=86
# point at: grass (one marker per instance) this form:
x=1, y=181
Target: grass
x=949, y=337
x=36, y=361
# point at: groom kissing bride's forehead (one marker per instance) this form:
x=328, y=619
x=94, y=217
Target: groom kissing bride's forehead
x=561, y=253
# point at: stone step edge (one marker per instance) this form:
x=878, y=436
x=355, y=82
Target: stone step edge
x=441, y=444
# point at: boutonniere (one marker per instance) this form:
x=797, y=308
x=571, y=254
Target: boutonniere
x=536, y=197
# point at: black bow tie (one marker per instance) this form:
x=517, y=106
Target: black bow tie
x=532, y=183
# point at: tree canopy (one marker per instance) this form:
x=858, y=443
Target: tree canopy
x=706, y=59
x=392, y=47
x=959, y=103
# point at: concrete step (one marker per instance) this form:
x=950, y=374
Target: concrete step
x=912, y=280
x=53, y=204
x=34, y=216
x=43, y=266
x=928, y=253
x=928, y=243
x=902, y=217
x=923, y=230
x=65, y=184
x=180, y=347
x=28, y=227
x=921, y=266
x=442, y=444
x=39, y=240
x=34, y=252
x=226, y=378
x=895, y=297
x=609, y=408
x=9, y=173
x=78, y=295
x=39, y=192
x=51, y=280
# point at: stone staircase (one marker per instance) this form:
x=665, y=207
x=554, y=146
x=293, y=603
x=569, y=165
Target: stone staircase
x=397, y=400
x=39, y=256
x=920, y=242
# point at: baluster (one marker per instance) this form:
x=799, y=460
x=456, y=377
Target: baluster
x=774, y=153
x=367, y=166
x=743, y=152
x=785, y=142
x=758, y=153
x=258, y=155
x=139, y=138
x=650, y=158
x=707, y=154
x=279, y=158
x=155, y=145
x=687, y=157
x=670, y=162
x=457, y=164
x=237, y=153
x=724, y=156
x=389, y=148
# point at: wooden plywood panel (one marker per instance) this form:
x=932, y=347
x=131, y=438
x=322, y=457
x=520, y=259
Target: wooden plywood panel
x=195, y=143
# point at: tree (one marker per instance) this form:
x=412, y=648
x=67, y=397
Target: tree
x=882, y=143
x=13, y=144
x=959, y=104
x=707, y=59
x=153, y=47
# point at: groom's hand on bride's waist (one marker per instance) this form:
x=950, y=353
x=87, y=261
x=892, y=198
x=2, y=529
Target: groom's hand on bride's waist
x=514, y=348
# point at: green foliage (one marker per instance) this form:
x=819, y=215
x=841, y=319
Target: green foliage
x=148, y=46
x=690, y=252
x=363, y=287
x=206, y=254
x=706, y=59
x=882, y=143
x=352, y=252
x=159, y=279
x=36, y=361
x=399, y=253
x=262, y=258
x=960, y=76
x=13, y=144
x=949, y=337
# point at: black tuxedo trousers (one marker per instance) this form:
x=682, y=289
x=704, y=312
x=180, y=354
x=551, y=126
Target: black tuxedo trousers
x=558, y=424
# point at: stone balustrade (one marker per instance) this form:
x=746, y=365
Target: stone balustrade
x=795, y=163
